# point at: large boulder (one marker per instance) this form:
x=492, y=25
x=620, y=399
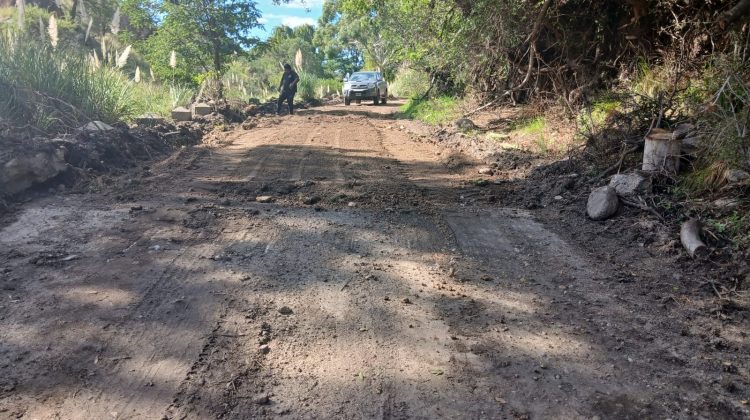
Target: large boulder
x=603, y=203
x=631, y=184
x=22, y=172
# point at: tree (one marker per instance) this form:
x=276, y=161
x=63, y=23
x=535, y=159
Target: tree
x=205, y=34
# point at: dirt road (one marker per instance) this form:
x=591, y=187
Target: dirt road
x=370, y=286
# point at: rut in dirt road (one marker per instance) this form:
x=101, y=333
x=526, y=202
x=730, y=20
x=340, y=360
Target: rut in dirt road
x=365, y=287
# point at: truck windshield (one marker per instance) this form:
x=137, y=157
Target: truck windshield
x=361, y=77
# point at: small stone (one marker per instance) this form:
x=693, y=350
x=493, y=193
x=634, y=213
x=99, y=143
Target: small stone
x=603, y=203
x=486, y=171
x=311, y=200
x=95, y=126
x=465, y=124
x=285, y=310
x=264, y=199
x=406, y=301
x=264, y=349
x=261, y=400
x=352, y=204
x=226, y=202
x=487, y=278
x=558, y=197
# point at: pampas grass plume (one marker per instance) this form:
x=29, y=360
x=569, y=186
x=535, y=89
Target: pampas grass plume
x=52, y=31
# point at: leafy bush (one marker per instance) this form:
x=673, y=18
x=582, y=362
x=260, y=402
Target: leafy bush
x=58, y=89
x=307, y=86
x=432, y=111
x=410, y=83
x=329, y=87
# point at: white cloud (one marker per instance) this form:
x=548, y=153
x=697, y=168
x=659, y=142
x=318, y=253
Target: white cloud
x=303, y=4
x=295, y=21
x=262, y=21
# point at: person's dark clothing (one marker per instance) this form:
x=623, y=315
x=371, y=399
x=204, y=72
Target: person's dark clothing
x=287, y=90
x=289, y=97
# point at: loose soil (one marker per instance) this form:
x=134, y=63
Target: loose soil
x=336, y=264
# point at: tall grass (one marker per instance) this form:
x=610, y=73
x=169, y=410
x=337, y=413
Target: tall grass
x=56, y=90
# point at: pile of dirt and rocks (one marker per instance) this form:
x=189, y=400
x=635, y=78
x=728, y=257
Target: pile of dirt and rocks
x=35, y=163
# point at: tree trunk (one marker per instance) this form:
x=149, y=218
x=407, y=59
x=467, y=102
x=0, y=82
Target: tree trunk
x=217, y=72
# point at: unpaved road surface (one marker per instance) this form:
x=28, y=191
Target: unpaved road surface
x=371, y=286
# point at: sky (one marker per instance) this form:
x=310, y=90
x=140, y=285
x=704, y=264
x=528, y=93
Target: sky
x=295, y=13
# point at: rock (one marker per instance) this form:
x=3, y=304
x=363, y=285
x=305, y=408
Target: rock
x=261, y=400
x=180, y=114
x=311, y=200
x=726, y=203
x=264, y=349
x=285, y=310
x=406, y=301
x=603, y=203
x=682, y=131
x=690, y=145
x=20, y=173
x=631, y=183
x=486, y=171
x=465, y=124
x=352, y=204
x=96, y=126
x=149, y=120
x=734, y=176
x=264, y=199
x=202, y=110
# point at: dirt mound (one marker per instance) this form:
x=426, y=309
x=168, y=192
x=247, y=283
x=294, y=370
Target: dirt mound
x=96, y=148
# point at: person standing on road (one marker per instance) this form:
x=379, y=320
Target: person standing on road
x=287, y=89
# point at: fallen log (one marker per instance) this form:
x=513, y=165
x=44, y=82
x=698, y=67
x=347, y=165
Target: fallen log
x=690, y=236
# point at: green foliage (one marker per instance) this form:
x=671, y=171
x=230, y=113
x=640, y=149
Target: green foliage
x=58, y=89
x=410, y=83
x=530, y=126
x=307, y=86
x=432, y=111
x=158, y=98
x=591, y=118
x=204, y=34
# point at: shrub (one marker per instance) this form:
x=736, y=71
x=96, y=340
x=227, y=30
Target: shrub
x=410, y=83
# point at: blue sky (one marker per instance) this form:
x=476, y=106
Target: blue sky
x=295, y=13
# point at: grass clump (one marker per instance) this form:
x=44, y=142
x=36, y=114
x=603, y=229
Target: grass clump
x=432, y=111
x=57, y=89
